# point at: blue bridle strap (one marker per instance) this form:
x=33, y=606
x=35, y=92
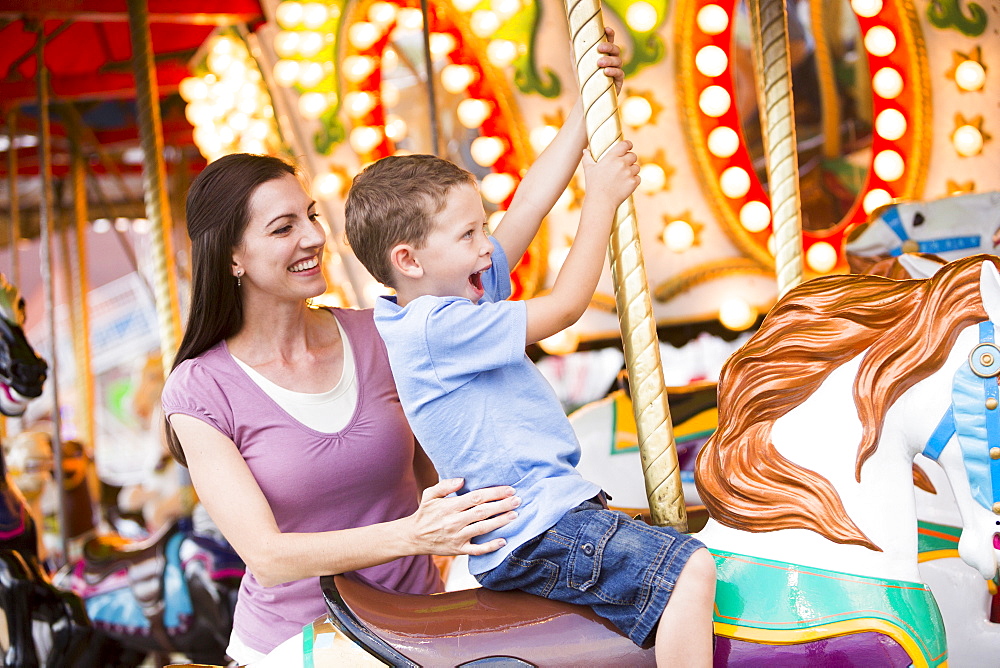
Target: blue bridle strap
x=895, y=223
x=942, y=434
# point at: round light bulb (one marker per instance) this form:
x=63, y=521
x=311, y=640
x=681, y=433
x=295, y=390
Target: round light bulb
x=821, y=257
x=312, y=105
x=365, y=138
x=410, y=18
x=652, y=178
x=712, y=19
x=678, y=236
x=497, y=187
x=396, y=128
x=311, y=75
x=358, y=103
x=714, y=101
x=879, y=41
x=968, y=141
x=327, y=185
x=866, y=8
x=889, y=165
x=711, y=61
x=442, y=43
x=501, y=52
x=286, y=72
x=363, y=35
x=890, y=124
x=310, y=44
x=487, y=150
x=472, y=112
x=484, y=23
x=102, y=225
x=874, y=199
x=465, y=5
x=288, y=14
x=493, y=221
x=358, y=68
x=736, y=314
x=887, y=83
x=636, y=111
x=735, y=182
x=456, y=78
x=314, y=15
x=755, y=216
x=286, y=44
x=390, y=95
x=505, y=8
x=382, y=13
x=541, y=136
x=723, y=142
x=193, y=89
x=561, y=343
x=970, y=75
x=641, y=16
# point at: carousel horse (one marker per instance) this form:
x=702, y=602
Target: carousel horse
x=809, y=484
x=40, y=625
x=951, y=227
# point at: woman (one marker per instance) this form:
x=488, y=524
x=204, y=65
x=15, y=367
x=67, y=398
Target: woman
x=288, y=419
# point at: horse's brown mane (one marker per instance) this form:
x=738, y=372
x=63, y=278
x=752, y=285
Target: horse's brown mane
x=908, y=329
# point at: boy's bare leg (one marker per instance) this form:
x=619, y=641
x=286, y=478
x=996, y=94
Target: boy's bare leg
x=684, y=636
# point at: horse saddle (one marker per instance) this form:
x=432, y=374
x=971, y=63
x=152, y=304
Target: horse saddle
x=470, y=627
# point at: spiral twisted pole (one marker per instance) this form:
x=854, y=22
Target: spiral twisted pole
x=769, y=27
x=154, y=177
x=657, y=447
x=14, y=199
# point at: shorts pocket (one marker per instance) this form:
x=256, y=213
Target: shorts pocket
x=588, y=549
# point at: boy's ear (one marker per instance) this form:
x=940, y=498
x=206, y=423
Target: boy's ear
x=404, y=260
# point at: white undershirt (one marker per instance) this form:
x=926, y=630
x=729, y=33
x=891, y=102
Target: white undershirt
x=327, y=412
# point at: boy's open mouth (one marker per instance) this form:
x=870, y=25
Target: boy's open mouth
x=477, y=279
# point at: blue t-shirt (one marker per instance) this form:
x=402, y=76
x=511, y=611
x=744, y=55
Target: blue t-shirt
x=480, y=408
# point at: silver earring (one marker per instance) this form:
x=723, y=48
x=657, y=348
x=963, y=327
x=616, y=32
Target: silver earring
x=239, y=283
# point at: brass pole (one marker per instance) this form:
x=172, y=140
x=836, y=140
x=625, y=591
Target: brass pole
x=80, y=288
x=46, y=231
x=154, y=174
x=657, y=447
x=825, y=19
x=15, y=204
x=769, y=28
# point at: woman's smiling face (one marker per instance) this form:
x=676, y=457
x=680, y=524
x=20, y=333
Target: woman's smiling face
x=281, y=251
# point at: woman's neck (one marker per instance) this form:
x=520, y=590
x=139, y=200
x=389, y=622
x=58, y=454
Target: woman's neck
x=281, y=331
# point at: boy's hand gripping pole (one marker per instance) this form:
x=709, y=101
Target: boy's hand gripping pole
x=635, y=309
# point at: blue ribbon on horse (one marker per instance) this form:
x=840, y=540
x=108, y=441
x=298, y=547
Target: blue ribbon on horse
x=974, y=415
x=891, y=218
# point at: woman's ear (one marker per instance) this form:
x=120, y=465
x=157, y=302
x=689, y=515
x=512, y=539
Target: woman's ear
x=403, y=259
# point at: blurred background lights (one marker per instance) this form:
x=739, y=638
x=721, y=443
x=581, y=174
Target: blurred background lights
x=484, y=23
x=384, y=13
x=487, y=150
x=887, y=83
x=542, y=136
x=736, y=314
x=286, y=44
x=359, y=103
x=456, y=78
x=327, y=185
x=365, y=138
x=890, y=124
x=358, y=68
x=473, y=112
x=866, y=8
x=641, y=16
x=970, y=75
x=968, y=140
x=723, y=142
x=821, y=257
x=652, y=178
x=735, y=182
x=442, y=44
x=363, y=35
x=314, y=15
x=286, y=72
x=636, y=110
x=494, y=219
x=288, y=14
x=879, y=41
x=889, y=165
x=712, y=19
x=390, y=95
x=311, y=74
x=678, y=236
x=310, y=44
x=410, y=18
x=396, y=128
x=465, y=5
x=497, y=187
x=562, y=343
x=505, y=8
x=755, y=216
x=714, y=101
x=711, y=61
x=141, y=226
x=501, y=52
x=312, y=105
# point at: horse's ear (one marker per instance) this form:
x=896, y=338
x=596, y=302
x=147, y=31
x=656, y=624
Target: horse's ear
x=989, y=290
x=918, y=267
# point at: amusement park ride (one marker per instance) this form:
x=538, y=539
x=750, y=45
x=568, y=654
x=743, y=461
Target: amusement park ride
x=826, y=533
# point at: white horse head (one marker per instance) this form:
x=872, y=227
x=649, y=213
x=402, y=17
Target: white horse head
x=22, y=372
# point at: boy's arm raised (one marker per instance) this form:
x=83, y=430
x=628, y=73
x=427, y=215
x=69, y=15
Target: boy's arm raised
x=609, y=182
x=549, y=175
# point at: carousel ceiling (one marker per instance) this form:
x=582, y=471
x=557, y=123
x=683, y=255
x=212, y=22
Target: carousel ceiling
x=87, y=51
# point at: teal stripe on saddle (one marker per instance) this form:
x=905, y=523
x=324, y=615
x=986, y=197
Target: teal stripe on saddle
x=782, y=601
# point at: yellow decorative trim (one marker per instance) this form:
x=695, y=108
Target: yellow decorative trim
x=796, y=636
x=706, y=272
x=937, y=554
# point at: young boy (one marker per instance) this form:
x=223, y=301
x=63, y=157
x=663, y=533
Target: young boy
x=484, y=413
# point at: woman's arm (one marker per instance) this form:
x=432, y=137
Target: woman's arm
x=232, y=497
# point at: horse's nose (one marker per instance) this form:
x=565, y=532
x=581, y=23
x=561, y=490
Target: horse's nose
x=29, y=374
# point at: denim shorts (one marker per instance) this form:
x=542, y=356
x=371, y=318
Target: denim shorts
x=622, y=568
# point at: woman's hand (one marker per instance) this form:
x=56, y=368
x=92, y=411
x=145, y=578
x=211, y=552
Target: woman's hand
x=611, y=61
x=445, y=525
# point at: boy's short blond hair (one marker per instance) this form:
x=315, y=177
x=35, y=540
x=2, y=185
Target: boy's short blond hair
x=393, y=201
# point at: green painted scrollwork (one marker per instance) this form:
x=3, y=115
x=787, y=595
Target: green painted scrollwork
x=946, y=14
x=647, y=47
x=522, y=29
